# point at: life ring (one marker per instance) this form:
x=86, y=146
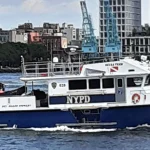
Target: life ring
x=135, y=98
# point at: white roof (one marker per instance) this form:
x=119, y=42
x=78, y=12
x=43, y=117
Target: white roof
x=126, y=67
x=123, y=67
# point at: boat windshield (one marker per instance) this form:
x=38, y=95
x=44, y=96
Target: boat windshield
x=147, y=82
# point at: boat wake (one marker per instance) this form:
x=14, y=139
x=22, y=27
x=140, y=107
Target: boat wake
x=61, y=129
x=66, y=129
x=138, y=127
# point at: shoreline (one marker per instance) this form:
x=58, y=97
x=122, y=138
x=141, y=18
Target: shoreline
x=10, y=70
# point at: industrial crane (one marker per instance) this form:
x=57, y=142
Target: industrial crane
x=113, y=44
x=89, y=42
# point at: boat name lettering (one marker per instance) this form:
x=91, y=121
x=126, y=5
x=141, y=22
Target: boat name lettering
x=78, y=99
x=4, y=106
x=114, y=64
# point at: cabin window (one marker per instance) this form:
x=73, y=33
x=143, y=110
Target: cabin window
x=94, y=83
x=108, y=83
x=77, y=85
x=87, y=111
x=134, y=81
x=119, y=82
x=95, y=111
x=131, y=70
x=147, y=82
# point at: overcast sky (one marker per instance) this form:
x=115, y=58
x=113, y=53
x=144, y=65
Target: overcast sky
x=14, y=12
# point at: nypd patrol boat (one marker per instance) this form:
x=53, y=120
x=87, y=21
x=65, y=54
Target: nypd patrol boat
x=114, y=94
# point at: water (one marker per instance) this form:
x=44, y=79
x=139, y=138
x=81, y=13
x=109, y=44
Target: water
x=64, y=138
x=12, y=81
x=135, y=139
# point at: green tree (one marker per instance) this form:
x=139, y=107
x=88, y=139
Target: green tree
x=10, y=53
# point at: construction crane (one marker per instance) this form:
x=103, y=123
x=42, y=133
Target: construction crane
x=89, y=42
x=113, y=44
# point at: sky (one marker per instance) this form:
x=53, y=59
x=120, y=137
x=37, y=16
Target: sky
x=15, y=12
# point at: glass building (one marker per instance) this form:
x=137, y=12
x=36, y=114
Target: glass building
x=128, y=17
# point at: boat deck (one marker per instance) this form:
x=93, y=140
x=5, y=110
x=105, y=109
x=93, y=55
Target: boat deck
x=48, y=68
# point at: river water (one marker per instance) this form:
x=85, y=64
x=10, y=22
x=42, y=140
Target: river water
x=64, y=138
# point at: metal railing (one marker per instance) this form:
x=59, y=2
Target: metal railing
x=45, y=69
x=48, y=68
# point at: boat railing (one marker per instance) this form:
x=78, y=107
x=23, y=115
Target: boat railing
x=43, y=69
x=48, y=68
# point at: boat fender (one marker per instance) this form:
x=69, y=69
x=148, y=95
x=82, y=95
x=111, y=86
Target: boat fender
x=135, y=98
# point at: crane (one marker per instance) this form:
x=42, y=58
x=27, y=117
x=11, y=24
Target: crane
x=113, y=44
x=89, y=42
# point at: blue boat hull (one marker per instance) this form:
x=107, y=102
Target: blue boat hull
x=123, y=116
x=127, y=116
x=37, y=119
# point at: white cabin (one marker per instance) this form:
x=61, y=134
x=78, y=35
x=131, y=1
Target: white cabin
x=123, y=82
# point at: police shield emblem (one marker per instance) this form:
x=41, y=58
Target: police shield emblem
x=54, y=84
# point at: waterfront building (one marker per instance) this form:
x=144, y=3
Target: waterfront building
x=128, y=17
x=74, y=35
x=4, y=36
x=18, y=35
x=136, y=45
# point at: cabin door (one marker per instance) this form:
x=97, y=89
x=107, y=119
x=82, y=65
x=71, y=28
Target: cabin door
x=120, y=89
